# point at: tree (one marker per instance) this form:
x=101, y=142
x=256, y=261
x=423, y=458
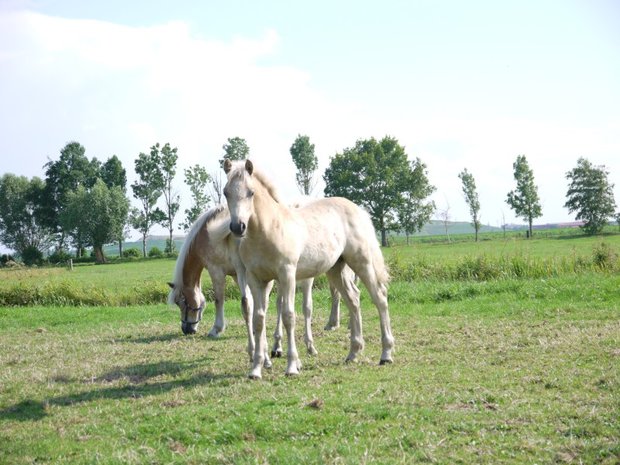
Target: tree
x=197, y=178
x=147, y=189
x=71, y=170
x=20, y=227
x=306, y=162
x=375, y=175
x=471, y=197
x=524, y=199
x=415, y=211
x=444, y=217
x=236, y=149
x=114, y=174
x=168, y=167
x=590, y=195
x=99, y=212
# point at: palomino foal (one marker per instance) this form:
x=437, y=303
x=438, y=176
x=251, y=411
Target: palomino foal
x=288, y=244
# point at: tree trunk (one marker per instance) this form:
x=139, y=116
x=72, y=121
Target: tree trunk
x=530, y=223
x=384, y=242
x=99, y=257
x=120, y=247
x=144, y=245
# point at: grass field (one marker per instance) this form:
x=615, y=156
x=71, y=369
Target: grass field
x=505, y=370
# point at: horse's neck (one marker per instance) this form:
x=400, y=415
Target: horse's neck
x=194, y=262
x=267, y=212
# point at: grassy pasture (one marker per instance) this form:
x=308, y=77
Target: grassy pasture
x=511, y=370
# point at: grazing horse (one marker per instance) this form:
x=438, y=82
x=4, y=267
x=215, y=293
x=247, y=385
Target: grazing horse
x=290, y=244
x=211, y=245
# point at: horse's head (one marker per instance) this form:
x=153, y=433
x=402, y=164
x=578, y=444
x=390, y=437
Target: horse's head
x=191, y=303
x=239, y=193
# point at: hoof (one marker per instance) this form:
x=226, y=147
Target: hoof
x=385, y=362
x=276, y=353
x=254, y=377
x=267, y=364
x=214, y=333
x=312, y=351
x=255, y=374
x=330, y=327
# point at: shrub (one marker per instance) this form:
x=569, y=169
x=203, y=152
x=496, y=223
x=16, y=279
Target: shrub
x=132, y=253
x=31, y=255
x=604, y=256
x=155, y=252
x=59, y=257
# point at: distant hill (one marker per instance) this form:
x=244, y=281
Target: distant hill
x=438, y=228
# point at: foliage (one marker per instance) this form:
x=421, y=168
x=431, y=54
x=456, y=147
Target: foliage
x=21, y=228
x=155, y=252
x=197, y=178
x=59, y=257
x=113, y=173
x=98, y=212
x=147, y=189
x=235, y=149
x=72, y=170
x=375, y=175
x=524, y=199
x=590, y=195
x=415, y=211
x=471, y=197
x=306, y=162
x=31, y=255
x=168, y=165
x=132, y=252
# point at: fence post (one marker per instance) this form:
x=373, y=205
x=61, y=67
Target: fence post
x=71, y=264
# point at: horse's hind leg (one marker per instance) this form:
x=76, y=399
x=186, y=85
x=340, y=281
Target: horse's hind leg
x=334, y=315
x=351, y=296
x=219, y=285
x=378, y=293
x=306, y=289
x=276, y=350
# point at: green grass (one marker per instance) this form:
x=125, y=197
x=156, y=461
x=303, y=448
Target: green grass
x=511, y=371
x=491, y=366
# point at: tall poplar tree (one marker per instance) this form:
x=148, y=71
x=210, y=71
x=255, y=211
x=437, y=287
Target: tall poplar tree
x=306, y=162
x=524, y=199
x=471, y=197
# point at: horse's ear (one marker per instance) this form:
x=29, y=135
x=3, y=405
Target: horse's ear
x=249, y=167
x=171, y=285
x=227, y=166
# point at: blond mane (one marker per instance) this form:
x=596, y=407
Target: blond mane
x=202, y=222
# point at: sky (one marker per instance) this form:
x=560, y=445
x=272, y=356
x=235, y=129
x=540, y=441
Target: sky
x=459, y=84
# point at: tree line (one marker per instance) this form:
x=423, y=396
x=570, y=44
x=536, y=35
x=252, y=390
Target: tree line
x=83, y=203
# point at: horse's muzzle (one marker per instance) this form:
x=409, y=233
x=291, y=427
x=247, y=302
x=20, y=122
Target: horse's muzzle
x=238, y=228
x=189, y=328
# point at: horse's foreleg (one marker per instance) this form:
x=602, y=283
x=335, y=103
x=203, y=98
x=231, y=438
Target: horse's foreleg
x=286, y=289
x=219, y=286
x=260, y=296
x=306, y=289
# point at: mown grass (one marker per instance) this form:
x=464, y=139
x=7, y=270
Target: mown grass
x=505, y=371
x=492, y=365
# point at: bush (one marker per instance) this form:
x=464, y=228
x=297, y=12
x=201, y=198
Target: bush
x=59, y=257
x=155, y=252
x=5, y=258
x=132, y=253
x=604, y=256
x=31, y=255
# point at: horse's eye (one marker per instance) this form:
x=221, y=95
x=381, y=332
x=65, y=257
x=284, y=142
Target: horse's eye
x=251, y=194
x=225, y=194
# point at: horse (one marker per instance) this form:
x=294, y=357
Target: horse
x=287, y=244
x=211, y=245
